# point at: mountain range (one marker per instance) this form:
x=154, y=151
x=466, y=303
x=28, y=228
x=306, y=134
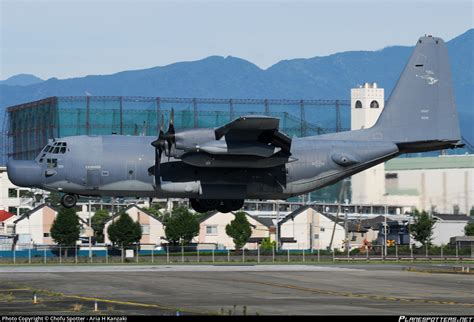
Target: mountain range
x=328, y=77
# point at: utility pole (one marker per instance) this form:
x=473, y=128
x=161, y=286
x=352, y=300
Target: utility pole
x=346, y=231
x=90, y=232
x=277, y=235
x=385, y=235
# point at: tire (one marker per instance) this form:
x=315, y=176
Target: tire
x=68, y=200
x=197, y=206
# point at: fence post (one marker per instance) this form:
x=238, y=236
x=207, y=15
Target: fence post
x=258, y=253
x=213, y=255
x=75, y=254
x=182, y=254
x=167, y=253
x=319, y=254
x=14, y=254
x=442, y=246
x=367, y=250
x=106, y=255
x=288, y=254
x=45, y=255
x=411, y=252
x=333, y=255
x=228, y=255
x=457, y=250
x=273, y=254
x=198, y=254
x=29, y=255
x=122, y=254
x=243, y=255
x=303, y=256
x=396, y=251
x=152, y=254
x=137, y=254
x=426, y=251
x=60, y=256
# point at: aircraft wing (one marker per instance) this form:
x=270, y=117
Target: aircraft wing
x=254, y=130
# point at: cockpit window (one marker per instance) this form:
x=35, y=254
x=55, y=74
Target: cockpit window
x=55, y=148
x=52, y=163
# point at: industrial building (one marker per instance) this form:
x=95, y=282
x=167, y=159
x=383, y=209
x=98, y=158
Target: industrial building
x=29, y=126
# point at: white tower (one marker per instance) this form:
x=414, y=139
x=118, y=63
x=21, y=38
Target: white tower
x=367, y=103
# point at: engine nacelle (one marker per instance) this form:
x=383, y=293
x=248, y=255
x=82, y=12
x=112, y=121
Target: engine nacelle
x=188, y=140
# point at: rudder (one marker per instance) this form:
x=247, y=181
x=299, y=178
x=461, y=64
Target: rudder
x=420, y=114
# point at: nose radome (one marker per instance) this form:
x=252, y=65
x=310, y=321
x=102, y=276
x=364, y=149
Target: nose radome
x=24, y=173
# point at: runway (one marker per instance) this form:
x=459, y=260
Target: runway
x=235, y=289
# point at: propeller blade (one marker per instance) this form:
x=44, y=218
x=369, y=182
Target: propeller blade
x=171, y=125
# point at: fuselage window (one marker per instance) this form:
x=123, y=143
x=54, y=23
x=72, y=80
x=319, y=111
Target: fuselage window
x=46, y=148
x=358, y=104
x=63, y=149
x=51, y=149
x=56, y=150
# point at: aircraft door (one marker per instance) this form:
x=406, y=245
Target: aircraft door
x=93, y=179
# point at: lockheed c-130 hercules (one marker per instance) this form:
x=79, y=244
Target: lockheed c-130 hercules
x=249, y=157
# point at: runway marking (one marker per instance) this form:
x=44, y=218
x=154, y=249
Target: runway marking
x=147, y=305
x=349, y=294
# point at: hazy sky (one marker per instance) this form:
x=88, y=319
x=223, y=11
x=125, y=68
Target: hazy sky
x=80, y=37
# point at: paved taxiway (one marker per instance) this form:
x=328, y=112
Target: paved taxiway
x=259, y=289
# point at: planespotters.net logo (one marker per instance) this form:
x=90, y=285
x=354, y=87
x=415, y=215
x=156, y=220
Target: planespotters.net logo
x=404, y=318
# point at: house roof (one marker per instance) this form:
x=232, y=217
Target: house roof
x=374, y=222
x=448, y=217
x=293, y=214
x=28, y=213
x=4, y=215
x=264, y=221
x=128, y=208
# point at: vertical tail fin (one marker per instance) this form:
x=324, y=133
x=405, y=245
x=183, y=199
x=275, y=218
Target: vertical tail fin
x=420, y=114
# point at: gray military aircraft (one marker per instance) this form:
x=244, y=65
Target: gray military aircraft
x=249, y=157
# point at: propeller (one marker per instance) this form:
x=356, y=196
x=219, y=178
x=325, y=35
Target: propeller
x=164, y=141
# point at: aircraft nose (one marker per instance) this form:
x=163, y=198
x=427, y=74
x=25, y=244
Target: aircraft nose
x=24, y=173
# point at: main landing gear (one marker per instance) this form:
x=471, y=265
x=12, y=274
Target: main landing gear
x=69, y=200
x=225, y=205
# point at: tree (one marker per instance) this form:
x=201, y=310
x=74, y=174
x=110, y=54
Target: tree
x=239, y=229
x=181, y=226
x=267, y=245
x=98, y=223
x=469, y=229
x=54, y=199
x=66, y=228
x=124, y=231
x=422, y=229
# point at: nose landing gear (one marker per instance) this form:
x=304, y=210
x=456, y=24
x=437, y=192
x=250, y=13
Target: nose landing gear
x=69, y=200
x=226, y=205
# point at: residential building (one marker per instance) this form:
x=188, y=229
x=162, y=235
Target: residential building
x=14, y=199
x=448, y=226
x=34, y=227
x=153, y=230
x=212, y=230
x=306, y=228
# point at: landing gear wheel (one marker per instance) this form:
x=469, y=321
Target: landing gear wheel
x=69, y=200
x=234, y=204
x=197, y=205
